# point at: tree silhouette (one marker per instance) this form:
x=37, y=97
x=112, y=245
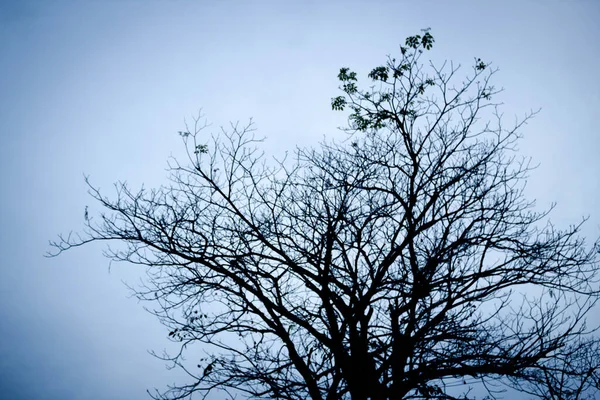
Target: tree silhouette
x=403, y=263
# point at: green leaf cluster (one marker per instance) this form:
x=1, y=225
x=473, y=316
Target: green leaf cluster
x=380, y=74
x=416, y=41
x=201, y=149
x=371, y=108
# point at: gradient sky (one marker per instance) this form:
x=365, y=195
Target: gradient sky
x=102, y=87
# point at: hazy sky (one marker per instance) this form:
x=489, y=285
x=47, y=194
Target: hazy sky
x=102, y=87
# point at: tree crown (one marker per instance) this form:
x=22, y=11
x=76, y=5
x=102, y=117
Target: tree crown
x=400, y=264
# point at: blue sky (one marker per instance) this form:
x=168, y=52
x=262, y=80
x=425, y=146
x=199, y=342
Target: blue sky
x=102, y=87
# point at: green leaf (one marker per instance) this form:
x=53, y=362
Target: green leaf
x=480, y=65
x=350, y=88
x=427, y=41
x=379, y=74
x=413, y=41
x=338, y=103
x=346, y=75
x=201, y=149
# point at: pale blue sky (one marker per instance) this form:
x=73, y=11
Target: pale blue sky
x=102, y=87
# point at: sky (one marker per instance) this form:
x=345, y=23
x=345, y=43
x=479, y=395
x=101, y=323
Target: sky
x=101, y=88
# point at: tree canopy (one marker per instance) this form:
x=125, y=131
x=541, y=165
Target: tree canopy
x=402, y=263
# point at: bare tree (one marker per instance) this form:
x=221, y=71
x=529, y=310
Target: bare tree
x=403, y=263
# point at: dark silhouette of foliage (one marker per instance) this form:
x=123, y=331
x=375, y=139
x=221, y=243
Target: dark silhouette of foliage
x=404, y=263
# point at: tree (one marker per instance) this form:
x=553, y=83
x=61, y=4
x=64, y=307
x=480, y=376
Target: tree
x=403, y=263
